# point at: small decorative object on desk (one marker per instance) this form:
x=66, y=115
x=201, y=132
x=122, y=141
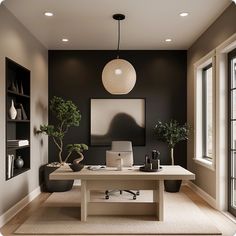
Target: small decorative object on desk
x=152, y=165
x=19, y=163
x=12, y=111
x=155, y=161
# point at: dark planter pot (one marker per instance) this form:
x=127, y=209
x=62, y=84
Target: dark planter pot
x=76, y=167
x=55, y=185
x=172, y=186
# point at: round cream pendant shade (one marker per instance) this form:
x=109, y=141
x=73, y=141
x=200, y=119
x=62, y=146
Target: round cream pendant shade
x=118, y=76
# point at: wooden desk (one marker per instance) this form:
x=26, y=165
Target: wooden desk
x=128, y=178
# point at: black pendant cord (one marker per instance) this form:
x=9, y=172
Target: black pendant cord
x=118, y=46
x=118, y=17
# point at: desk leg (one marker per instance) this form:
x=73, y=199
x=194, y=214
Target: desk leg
x=161, y=200
x=84, y=201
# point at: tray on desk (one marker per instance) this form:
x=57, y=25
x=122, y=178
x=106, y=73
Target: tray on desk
x=142, y=168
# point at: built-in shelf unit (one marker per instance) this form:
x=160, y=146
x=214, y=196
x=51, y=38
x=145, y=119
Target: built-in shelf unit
x=18, y=128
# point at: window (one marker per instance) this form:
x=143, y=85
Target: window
x=232, y=132
x=205, y=111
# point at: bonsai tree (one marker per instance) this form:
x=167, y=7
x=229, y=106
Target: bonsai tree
x=171, y=133
x=67, y=115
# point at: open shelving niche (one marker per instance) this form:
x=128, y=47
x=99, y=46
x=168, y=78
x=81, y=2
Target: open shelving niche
x=17, y=129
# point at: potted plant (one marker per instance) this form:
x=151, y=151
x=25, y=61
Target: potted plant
x=171, y=133
x=67, y=115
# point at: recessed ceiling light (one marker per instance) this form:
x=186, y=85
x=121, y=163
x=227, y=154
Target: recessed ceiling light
x=65, y=40
x=48, y=14
x=168, y=40
x=1, y=1
x=234, y=1
x=184, y=14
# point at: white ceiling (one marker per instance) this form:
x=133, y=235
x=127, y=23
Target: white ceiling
x=89, y=25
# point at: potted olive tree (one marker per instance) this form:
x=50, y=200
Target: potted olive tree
x=171, y=133
x=67, y=115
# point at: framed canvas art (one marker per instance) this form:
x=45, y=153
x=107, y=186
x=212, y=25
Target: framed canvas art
x=117, y=120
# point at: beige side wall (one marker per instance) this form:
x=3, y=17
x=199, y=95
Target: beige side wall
x=19, y=45
x=217, y=33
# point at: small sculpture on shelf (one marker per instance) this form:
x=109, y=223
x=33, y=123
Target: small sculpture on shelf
x=21, y=91
x=19, y=114
x=12, y=86
x=24, y=116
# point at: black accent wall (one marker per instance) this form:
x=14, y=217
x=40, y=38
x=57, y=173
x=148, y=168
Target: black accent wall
x=161, y=79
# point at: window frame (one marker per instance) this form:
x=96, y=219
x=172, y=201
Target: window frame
x=205, y=113
x=199, y=157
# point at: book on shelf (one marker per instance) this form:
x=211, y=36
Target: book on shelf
x=10, y=165
x=17, y=143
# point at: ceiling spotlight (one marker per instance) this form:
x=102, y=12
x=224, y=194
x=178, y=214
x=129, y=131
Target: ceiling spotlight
x=168, y=40
x=1, y=1
x=65, y=40
x=234, y=1
x=183, y=14
x=48, y=14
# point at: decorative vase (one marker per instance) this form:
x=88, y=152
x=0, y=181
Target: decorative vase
x=19, y=163
x=12, y=111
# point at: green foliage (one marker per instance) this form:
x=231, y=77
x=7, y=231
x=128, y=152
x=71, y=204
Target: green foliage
x=67, y=115
x=171, y=132
x=65, y=111
x=78, y=148
x=51, y=131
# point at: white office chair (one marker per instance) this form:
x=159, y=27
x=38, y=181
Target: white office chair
x=120, y=150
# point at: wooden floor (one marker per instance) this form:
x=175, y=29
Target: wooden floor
x=223, y=223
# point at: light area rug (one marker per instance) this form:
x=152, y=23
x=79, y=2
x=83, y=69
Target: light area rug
x=60, y=215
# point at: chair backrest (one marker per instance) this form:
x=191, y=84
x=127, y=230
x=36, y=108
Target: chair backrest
x=121, y=146
x=120, y=149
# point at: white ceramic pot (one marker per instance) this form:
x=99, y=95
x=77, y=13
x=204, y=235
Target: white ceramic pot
x=12, y=111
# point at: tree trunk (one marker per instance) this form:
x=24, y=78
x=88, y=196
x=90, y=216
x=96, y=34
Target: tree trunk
x=172, y=156
x=78, y=160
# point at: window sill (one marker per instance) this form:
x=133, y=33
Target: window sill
x=206, y=163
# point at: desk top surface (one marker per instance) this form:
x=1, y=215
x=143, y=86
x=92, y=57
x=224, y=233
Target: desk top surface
x=127, y=173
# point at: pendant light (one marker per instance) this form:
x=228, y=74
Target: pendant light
x=118, y=75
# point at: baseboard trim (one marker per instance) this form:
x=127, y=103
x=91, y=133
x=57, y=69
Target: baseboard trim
x=9, y=214
x=209, y=199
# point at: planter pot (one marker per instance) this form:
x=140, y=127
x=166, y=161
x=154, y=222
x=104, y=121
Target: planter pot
x=55, y=185
x=172, y=186
x=76, y=167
